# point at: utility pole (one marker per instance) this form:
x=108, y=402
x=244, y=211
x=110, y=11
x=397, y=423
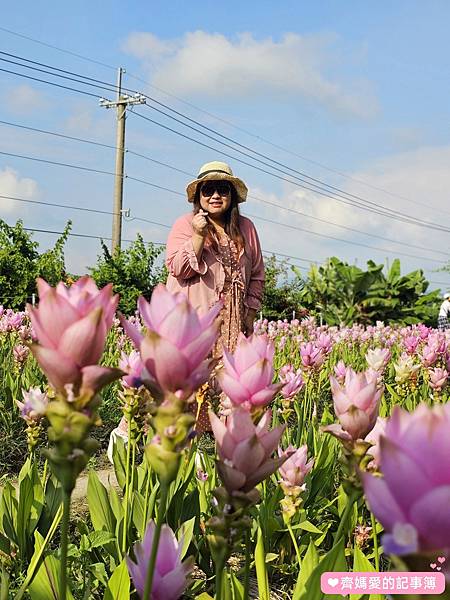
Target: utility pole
x=121, y=105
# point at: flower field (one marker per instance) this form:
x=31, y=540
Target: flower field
x=329, y=451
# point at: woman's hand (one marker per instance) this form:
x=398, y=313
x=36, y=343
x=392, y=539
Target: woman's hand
x=249, y=321
x=200, y=223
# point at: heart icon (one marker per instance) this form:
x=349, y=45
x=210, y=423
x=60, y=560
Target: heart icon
x=441, y=559
x=433, y=565
x=438, y=569
x=333, y=581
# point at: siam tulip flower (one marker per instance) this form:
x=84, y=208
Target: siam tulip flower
x=411, y=342
x=245, y=449
x=374, y=438
x=405, y=369
x=340, y=371
x=34, y=406
x=356, y=406
x=248, y=373
x=132, y=365
x=170, y=577
x=378, y=358
x=324, y=342
x=311, y=355
x=282, y=342
x=293, y=383
x=295, y=469
x=177, y=341
x=438, y=378
x=429, y=356
x=372, y=375
x=71, y=325
x=20, y=353
x=411, y=501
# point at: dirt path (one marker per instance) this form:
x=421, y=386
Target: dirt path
x=106, y=476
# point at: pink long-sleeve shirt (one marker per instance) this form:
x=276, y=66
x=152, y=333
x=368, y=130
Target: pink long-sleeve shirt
x=203, y=281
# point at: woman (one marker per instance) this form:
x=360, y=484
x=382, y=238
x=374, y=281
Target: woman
x=213, y=253
x=444, y=314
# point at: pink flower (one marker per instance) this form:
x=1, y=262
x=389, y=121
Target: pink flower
x=356, y=406
x=311, y=355
x=340, y=370
x=324, y=342
x=378, y=358
x=177, y=341
x=170, y=576
x=438, y=378
x=293, y=383
x=412, y=499
x=247, y=374
x=411, y=342
x=245, y=449
x=374, y=438
x=20, y=353
x=132, y=365
x=34, y=406
x=71, y=325
x=429, y=356
x=296, y=467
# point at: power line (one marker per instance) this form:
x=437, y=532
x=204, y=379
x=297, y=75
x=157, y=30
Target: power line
x=58, y=85
x=145, y=182
x=392, y=215
x=312, y=181
x=381, y=210
x=330, y=237
x=220, y=119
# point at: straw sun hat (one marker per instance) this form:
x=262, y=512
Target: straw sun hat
x=216, y=171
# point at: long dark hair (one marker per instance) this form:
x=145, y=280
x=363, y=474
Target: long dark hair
x=232, y=228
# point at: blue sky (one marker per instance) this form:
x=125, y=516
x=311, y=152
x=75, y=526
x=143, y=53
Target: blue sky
x=355, y=94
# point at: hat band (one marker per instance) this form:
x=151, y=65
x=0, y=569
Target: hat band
x=200, y=175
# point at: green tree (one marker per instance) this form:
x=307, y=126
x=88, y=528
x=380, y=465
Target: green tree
x=133, y=271
x=344, y=293
x=282, y=295
x=21, y=263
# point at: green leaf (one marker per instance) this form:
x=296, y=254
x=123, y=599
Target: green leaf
x=99, y=538
x=261, y=570
x=237, y=587
x=119, y=584
x=185, y=534
x=309, y=563
x=45, y=585
x=361, y=564
x=99, y=508
x=334, y=560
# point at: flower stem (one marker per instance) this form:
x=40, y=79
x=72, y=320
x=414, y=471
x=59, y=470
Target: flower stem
x=127, y=491
x=294, y=541
x=156, y=536
x=351, y=500
x=375, y=542
x=219, y=577
x=64, y=544
x=247, y=565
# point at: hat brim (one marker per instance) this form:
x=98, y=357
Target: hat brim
x=239, y=185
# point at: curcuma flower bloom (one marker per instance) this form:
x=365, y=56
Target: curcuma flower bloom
x=295, y=469
x=312, y=356
x=132, y=365
x=412, y=499
x=374, y=438
x=247, y=374
x=33, y=408
x=170, y=576
x=245, y=449
x=405, y=369
x=71, y=325
x=177, y=341
x=293, y=383
x=356, y=406
x=378, y=358
x=438, y=378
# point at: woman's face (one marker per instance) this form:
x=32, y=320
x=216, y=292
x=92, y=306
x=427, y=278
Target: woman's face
x=215, y=197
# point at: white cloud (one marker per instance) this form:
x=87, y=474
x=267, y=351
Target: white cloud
x=205, y=64
x=11, y=184
x=24, y=99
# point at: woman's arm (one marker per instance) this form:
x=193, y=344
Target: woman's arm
x=185, y=248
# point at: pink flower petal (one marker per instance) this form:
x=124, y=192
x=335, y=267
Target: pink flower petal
x=248, y=455
x=84, y=341
x=59, y=369
x=232, y=388
x=381, y=501
x=132, y=332
x=165, y=362
x=430, y=515
x=95, y=377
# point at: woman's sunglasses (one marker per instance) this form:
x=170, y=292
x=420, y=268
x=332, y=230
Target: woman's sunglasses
x=223, y=188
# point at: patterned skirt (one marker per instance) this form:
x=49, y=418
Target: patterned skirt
x=443, y=323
